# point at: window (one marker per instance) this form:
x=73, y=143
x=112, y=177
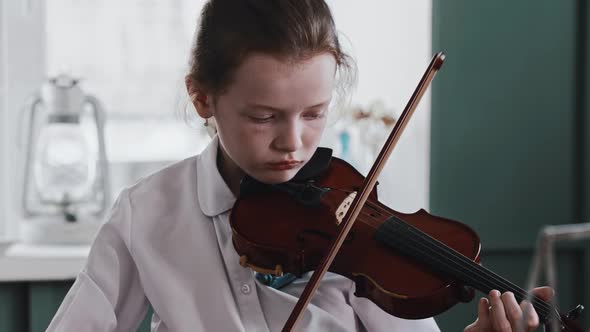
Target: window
x=133, y=54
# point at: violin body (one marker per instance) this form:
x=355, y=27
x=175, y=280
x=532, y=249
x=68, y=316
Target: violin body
x=274, y=233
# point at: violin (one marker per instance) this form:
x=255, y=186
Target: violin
x=410, y=265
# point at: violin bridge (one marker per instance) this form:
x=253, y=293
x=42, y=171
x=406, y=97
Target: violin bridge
x=278, y=271
x=344, y=206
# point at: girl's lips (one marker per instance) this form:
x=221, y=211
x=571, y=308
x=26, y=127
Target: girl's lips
x=283, y=165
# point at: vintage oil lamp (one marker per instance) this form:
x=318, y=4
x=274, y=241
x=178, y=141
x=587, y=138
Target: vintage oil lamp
x=65, y=173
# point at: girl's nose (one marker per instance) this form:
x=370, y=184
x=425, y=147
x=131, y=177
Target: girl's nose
x=288, y=138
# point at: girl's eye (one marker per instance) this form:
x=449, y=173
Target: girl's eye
x=315, y=115
x=260, y=119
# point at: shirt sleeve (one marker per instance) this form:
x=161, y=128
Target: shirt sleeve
x=107, y=294
x=373, y=318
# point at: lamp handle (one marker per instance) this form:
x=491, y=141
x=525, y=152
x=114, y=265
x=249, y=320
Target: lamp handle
x=29, y=109
x=100, y=119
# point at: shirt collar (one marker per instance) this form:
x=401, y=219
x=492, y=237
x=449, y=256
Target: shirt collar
x=213, y=194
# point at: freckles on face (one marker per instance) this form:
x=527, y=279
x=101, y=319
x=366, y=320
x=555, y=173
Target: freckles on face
x=275, y=111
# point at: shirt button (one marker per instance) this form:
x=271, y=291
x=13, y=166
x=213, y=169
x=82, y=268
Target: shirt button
x=245, y=289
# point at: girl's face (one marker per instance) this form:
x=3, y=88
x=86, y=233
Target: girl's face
x=271, y=117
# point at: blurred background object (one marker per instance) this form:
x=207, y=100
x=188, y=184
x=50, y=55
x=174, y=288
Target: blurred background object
x=65, y=184
x=544, y=264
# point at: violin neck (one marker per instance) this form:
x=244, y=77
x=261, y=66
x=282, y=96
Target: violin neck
x=413, y=242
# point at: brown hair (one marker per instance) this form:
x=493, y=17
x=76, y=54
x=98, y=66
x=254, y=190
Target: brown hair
x=293, y=30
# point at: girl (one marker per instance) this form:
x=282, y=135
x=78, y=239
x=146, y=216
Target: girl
x=266, y=72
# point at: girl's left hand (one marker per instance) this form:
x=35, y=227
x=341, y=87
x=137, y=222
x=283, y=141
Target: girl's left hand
x=502, y=313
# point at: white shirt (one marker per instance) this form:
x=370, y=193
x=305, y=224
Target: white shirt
x=167, y=242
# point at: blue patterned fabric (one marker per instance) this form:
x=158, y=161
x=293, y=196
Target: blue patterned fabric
x=274, y=281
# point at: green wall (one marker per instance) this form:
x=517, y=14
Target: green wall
x=510, y=132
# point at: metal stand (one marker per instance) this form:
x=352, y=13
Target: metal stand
x=545, y=253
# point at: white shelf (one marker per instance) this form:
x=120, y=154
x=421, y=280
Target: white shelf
x=23, y=262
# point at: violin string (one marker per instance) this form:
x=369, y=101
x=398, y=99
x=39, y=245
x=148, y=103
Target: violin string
x=450, y=253
x=470, y=267
x=544, y=307
x=453, y=253
x=393, y=236
x=445, y=263
x=476, y=268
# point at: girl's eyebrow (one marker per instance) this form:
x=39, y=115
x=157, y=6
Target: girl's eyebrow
x=274, y=109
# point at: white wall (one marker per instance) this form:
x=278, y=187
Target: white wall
x=391, y=42
x=22, y=69
x=3, y=125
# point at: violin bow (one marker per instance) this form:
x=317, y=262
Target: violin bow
x=368, y=185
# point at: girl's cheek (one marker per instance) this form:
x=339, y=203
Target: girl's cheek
x=317, y=129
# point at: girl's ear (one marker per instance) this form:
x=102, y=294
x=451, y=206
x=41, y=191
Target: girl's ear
x=199, y=98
